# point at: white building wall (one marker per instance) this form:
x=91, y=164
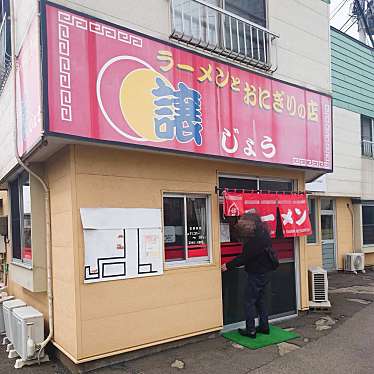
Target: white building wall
x=303, y=46
x=7, y=148
x=24, y=12
x=346, y=178
x=304, y=42
x=303, y=26
x=367, y=182
x=353, y=174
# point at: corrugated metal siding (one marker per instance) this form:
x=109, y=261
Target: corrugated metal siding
x=352, y=70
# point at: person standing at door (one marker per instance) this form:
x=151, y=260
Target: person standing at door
x=255, y=236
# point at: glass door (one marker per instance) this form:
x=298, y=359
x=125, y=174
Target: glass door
x=328, y=234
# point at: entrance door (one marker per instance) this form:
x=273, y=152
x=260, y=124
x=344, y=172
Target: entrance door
x=282, y=290
x=328, y=234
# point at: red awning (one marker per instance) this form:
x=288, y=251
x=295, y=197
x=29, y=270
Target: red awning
x=293, y=209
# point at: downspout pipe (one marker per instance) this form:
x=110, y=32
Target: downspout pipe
x=43, y=344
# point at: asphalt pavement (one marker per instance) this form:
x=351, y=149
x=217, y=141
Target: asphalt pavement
x=341, y=341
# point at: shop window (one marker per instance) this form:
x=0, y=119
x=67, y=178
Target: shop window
x=186, y=229
x=312, y=239
x=368, y=224
x=20, y=199
x=367, y=134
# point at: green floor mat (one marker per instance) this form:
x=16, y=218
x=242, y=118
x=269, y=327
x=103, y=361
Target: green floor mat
x=277, y=335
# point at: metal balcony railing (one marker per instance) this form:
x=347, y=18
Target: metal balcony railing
x=5, y=59
x=367, y=148
x=211, y=28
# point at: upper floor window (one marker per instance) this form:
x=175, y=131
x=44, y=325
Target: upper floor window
x=20, y=201
x=5, y=43
x=234, y=29
x=253, y=10
x=367, y=136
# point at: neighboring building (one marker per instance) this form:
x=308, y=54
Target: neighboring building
x=343, y=204
x=137, y=117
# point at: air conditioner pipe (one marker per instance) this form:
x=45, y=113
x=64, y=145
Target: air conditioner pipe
x=353, y=226
x=43, y=344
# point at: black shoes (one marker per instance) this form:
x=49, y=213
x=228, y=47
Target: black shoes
x=247, y=333
x=263, y=330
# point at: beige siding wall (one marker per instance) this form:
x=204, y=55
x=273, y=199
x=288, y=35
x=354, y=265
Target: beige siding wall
x=110, y=310
x=344, y=229
x=66, y=311
x=369, y=259
x=314, y=251
x=344, y=234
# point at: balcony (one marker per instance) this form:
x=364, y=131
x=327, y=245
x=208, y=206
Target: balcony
x=367, y=148
x=207, y=27
x=5, y=58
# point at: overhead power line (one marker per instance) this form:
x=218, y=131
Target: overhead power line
x=337, y=10
x=348, y=28
x=346, y=22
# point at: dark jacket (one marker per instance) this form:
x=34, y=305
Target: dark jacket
x=254, y=257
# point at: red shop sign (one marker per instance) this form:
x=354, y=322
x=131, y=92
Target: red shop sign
x=110, y=84
x=265, y=205
x=233, y=204
x=294, y=215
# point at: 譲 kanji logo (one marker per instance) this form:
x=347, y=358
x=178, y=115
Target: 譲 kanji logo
x=152, y=107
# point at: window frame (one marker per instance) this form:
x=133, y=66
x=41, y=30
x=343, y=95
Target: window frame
x=315, y=219
x=198, y=261
x=362, y=117
x=15, y=186
x=223, y=6
x=362, y=225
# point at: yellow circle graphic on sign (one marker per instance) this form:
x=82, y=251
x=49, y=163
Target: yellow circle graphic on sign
x=137, y=101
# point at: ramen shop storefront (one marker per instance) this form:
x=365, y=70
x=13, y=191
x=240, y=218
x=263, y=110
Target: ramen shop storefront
x=149, y=225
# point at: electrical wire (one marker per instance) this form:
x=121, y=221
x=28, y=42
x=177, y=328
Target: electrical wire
x=353, y=23
x=337, y=10
x=346, y=22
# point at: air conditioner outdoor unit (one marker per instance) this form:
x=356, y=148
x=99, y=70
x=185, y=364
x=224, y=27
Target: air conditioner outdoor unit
x=2, y=323
x=8, y=306
x=354, y=262
x=318, y=285
x=28, y=333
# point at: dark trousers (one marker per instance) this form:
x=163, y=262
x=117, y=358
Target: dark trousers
x=255, y=302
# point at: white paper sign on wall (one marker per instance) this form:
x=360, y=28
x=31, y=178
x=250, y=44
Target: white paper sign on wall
x=121, y=243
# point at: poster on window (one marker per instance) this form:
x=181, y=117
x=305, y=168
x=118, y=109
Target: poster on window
x=294, y=214
x=264, y=205
x=121, y=243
